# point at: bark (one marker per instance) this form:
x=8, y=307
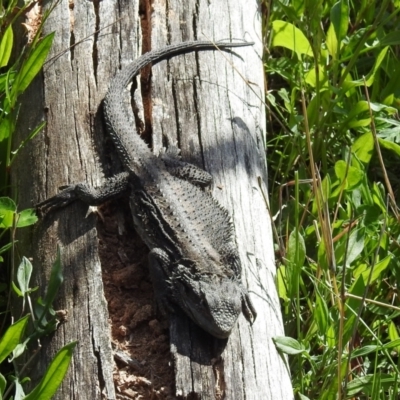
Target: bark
x=212, y=104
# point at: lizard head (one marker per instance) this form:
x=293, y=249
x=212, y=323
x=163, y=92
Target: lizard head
x=213, y=304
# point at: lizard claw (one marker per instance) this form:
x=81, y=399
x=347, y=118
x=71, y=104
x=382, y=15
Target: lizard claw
x=62, y=199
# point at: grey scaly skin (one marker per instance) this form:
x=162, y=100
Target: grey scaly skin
x=193, y=260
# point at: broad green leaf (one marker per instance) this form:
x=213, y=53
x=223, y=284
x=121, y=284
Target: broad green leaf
x=378, y=269
x=54, y=375
x=331, y=41
x=24, y=275
x=311, y=78
x=362, y=351
x=369, y=79
x=6, y=46
x=3, y=384
x=288, y=345
x=7, y=211
x=12, y=337
x=354, y=246
x=287, y=35
x=33, y=64
x=302, y=397
x=27, y=217
x=363, y=147
x=391, y=39
x=340, y=18
x=386, y=144
x=349, y=174
x=359, y=123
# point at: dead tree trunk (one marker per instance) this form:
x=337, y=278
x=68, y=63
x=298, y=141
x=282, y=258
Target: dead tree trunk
x=212, y=105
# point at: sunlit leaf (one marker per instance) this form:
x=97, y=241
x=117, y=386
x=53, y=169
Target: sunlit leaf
x=27, y=217
x=6, y=46
x=340, y=18
x=34, y=63
x=363, y=147
x=288, y=345
x=24, y=273
x=54, y=375
x=287, y=35
x=12, y=337
x=7, y=211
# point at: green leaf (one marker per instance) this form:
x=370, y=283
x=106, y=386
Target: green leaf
x=363, y=147
x=24, y=275
x=6, y=46
x=6, y=127
x=54, y=375
x=355, y=245
x=287, y=35
x=331, y=41
x=7, y=210
x=33, y=64
x=5, y=248
x=19, y=391
x=391, y=39
x=378, y=269
x=288, y=345
x=393, y=336
x=12, y=337
x=340, y=18
x=296, y=252
x=27, y=217
x=3, y=384
x=390, y=345
x=353, y=176
x=16, y=289
x=321, y=314
x=19, y=349
x=281, y=283
x=369, y=79
x=386, y=144
x=364, y=351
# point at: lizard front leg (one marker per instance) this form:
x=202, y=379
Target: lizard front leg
x=113, y=188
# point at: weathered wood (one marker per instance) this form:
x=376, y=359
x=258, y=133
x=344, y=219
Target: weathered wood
x=202, y=101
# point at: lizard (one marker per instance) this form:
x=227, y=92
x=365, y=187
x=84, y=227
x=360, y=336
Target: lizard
x=193, y=261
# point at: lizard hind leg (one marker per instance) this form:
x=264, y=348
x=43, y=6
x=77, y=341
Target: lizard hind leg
x=158, y=265
x=182, y=169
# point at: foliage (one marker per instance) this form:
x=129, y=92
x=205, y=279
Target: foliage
x=19, y=337
x=334, y=144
